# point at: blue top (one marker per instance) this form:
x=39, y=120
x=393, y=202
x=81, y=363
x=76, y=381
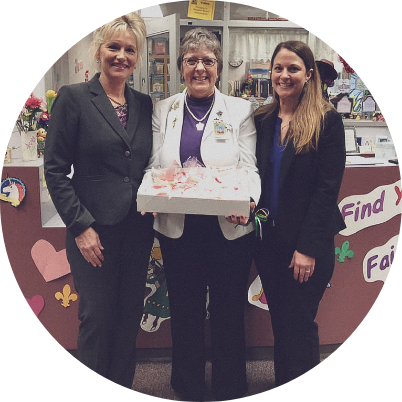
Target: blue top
x=190, y=137
x=272, y=180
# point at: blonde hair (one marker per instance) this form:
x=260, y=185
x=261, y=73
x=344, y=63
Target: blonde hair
x=308, y=119
x=129, y=21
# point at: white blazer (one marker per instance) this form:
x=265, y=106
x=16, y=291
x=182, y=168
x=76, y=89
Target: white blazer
x=238, y=150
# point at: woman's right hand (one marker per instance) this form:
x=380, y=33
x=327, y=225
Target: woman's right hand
x=90, y=246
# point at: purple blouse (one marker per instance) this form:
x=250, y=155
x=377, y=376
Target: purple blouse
x=190, y=145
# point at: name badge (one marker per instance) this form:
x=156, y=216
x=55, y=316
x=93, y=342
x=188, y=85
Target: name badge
x=221, y=132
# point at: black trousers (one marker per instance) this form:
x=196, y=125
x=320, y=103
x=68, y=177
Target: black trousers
x=111, y=297
x=203, y=258
x=292, y=305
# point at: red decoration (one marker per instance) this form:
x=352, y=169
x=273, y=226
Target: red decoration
x=346, y=66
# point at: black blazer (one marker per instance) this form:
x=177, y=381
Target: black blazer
x=108, y=161
x=308, y=214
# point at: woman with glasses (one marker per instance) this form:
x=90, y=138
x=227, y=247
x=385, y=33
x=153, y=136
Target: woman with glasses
x=203, y=252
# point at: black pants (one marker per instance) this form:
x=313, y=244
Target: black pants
x=111, y=297
x=203, y=258
x=293, y=306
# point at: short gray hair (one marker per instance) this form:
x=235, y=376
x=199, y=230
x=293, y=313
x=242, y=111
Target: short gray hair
x=196, y=37
x=129, y=21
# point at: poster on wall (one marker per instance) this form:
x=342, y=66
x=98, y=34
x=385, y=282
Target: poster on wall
x=361, y=211
x=156, y=303
x=201, y=10
x=377, y=262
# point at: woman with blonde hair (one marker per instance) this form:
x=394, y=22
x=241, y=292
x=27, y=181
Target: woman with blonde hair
x=103, y=129
x=301, y=160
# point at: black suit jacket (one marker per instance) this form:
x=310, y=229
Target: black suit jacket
x=108, y=161
x=308, y=214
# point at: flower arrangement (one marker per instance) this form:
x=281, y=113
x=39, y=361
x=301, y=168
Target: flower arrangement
x=27, y=119
x=33, y=144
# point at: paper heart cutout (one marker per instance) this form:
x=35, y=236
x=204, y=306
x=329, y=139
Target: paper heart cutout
x=51, y=264
x=37, y=303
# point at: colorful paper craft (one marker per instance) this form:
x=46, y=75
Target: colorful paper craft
x=51, y=264
x=37, y=303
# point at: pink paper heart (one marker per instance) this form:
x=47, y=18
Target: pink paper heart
x=37, y=303
x=51, y=264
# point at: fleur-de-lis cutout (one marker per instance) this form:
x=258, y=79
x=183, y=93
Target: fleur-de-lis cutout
x=176, y=105
x=174, y=121
x=66, y=296
x=344, y=252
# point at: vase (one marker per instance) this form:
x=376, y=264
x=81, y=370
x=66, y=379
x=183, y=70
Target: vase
x=29, y=146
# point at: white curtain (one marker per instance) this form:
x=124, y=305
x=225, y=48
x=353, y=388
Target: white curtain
x=323, y=51
x=259, y=44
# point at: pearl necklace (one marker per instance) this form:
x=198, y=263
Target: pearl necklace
x=200, y=125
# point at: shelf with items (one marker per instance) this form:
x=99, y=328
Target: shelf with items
x=158, y=66
x=158, y=72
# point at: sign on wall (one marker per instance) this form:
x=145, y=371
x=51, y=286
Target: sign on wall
x=200, y=9
x=364, y=210
x=377, y=262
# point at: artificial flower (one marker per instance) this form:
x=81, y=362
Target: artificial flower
x=50, y=93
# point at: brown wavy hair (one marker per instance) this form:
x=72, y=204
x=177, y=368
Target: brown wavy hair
x=308, y=119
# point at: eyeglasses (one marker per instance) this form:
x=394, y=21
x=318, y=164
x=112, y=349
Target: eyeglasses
x=207, y=63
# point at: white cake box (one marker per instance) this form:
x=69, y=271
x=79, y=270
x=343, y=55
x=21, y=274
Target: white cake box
x=195, y=190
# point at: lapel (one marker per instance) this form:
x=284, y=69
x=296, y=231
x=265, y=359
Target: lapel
x=219, y=112
x=134, y=108
x=105, y=108
x=174, y=124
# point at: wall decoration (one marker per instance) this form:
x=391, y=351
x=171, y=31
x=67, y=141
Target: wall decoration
x=66, y=296
x=377, y=262
x=256, y=295
x=365, y=210
x=36, y=303
x=12, y=190
x=156, y=304
x=51, y=264
x=344, y=252
x=202, y=10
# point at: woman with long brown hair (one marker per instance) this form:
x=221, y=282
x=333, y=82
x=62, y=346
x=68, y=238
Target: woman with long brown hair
x=301, y=160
